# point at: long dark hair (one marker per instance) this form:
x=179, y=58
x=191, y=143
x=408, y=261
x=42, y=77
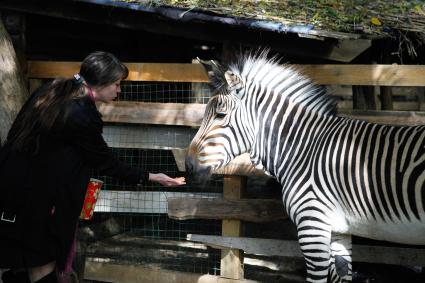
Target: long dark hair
x=49, y=105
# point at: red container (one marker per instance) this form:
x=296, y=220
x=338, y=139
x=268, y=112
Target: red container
x=92, y=193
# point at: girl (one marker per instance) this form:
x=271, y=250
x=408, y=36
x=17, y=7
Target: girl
x=46, y=163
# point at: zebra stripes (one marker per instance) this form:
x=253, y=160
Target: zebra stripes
x=339, y=176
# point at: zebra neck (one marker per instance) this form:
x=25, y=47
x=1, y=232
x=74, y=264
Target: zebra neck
x=284, y=137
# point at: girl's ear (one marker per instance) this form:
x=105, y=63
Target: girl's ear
x=235, y=84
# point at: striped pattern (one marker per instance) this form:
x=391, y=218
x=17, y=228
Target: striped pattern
x=339, y=177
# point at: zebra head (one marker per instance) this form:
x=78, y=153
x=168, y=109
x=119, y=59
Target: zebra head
x=227, y=127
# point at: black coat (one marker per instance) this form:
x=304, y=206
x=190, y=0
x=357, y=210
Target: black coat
x=56, y=177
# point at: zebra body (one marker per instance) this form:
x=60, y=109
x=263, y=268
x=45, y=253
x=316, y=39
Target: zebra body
x=362, y=197
x=339, y=176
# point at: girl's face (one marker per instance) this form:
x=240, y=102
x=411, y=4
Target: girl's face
x=107, y=93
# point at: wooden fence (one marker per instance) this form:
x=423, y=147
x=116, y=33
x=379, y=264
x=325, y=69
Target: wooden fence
x=228, y=206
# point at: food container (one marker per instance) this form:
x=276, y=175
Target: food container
x=92, y=193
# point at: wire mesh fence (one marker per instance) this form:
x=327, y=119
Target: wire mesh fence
x=130, y=224
x=164, y=92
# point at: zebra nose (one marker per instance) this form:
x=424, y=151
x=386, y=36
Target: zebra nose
x=190, y=164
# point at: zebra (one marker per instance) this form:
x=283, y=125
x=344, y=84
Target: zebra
x=339, y=176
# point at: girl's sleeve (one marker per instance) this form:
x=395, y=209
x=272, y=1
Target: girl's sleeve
x=84, y=130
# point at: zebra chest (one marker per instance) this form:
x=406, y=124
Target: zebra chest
x=305, y=200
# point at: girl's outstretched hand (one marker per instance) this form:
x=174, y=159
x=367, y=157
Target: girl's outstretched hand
x=166, y=180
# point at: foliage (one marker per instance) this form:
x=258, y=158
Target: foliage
x=336, y=15
x=371, y=18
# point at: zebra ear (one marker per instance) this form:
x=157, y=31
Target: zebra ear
x=234, y=83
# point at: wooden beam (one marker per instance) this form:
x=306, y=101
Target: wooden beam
x=252, y=210
x=231, y=266
x=166, y=137
x=141, y=202
x=361, y=253
x=162, y=72
x=152, y=113
x=166, y=72
x=116, y=273
x=192, y=114
x=409, y=118
x=382, y=75
x=347, y=105
x=267, y=247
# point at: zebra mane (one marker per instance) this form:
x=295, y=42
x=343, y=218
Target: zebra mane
x=253, y=66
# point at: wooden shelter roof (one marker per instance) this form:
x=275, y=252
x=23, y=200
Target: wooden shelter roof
x=330, y=29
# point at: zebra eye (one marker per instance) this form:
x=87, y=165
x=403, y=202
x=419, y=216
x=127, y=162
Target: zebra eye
x=220, y=115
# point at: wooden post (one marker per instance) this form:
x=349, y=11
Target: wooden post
x=421, y=98
x=386, y=98
x=233, y=188
x=364, y=98
x=232, y=259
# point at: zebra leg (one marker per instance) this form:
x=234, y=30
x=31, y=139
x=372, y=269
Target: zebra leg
x=340, y=261
x=314, y=240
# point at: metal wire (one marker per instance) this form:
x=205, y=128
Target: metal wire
x=131, y=225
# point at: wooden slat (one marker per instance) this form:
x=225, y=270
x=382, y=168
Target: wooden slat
x=252, y=210
x=141, y=202
x=192, y=114
x=361, y=253
x=52, y=69
x=116, y=273
x=409, y=118
x=166, y=72
x=404, y=106
x=258, y=246
x=137, y=71
x=397, y=105
x=152, y=113
x=148, y=136
x=346, y=91
x=383, y=75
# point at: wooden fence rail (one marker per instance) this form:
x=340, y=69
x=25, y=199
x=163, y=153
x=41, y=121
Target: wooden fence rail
x=192, y=114
x=252, y=210
x=382, y=75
